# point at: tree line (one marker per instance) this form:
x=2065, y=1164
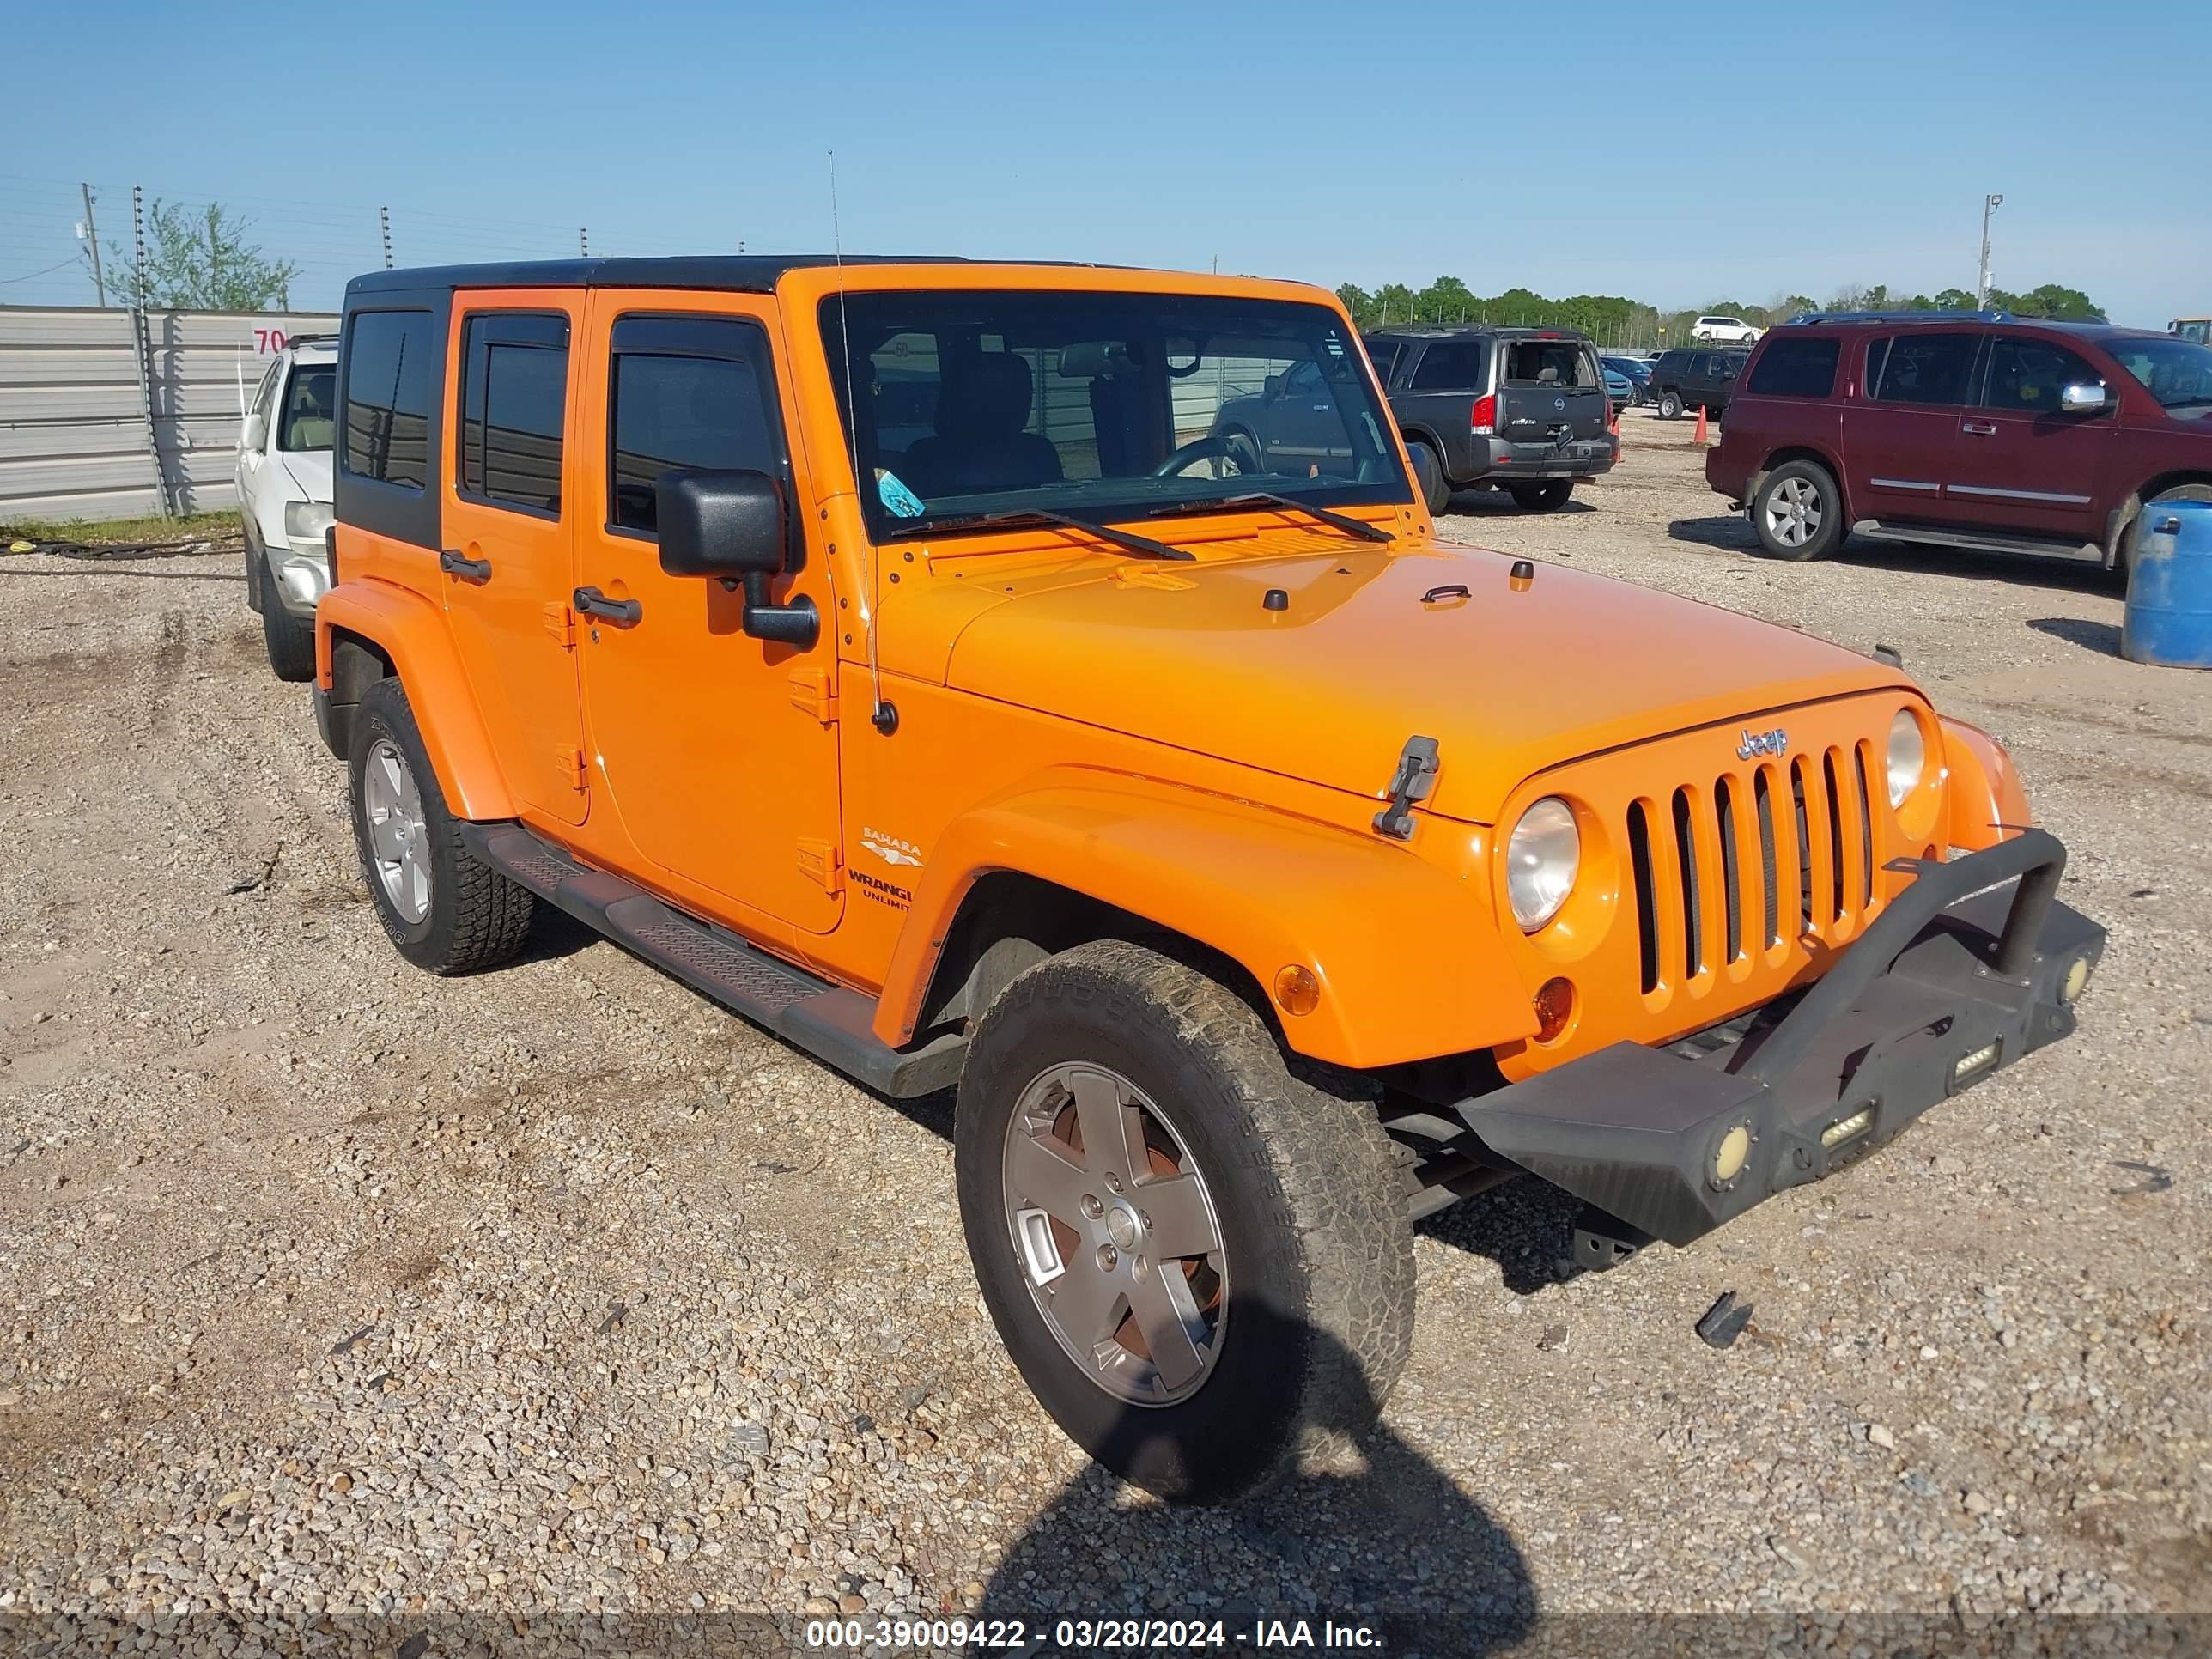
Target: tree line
x=1611, y=320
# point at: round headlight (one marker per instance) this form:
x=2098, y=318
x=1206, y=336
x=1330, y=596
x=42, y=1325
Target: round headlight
x=1908, y=756
x=1541, y=857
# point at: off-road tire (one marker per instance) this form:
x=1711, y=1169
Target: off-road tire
x=1429, y=474
x=1809, y=476
x=476, y=918
x=1670, y=405
x=1546, y=497
x=289, y=641
x=1309, y=1196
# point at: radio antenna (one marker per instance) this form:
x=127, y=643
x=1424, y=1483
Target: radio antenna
x=881, y=714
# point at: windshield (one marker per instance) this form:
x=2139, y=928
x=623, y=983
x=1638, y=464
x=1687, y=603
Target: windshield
x=1101, y=406
x=2178, y=372
x=307, y=403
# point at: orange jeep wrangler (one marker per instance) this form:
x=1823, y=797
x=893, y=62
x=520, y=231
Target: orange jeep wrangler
x=909, y=657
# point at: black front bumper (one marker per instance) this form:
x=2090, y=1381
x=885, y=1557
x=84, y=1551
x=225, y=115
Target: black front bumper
x=1948, y=984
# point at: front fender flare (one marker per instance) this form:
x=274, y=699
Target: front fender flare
x=412, y=632
x=1987, y=801
x=1406, y=951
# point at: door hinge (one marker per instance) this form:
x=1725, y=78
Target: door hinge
x=568, y=765
x=820, y=863
x=560, y=623
x=811, y=693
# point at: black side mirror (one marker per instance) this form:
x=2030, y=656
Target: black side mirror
x=1272, y=387
x=730, y=524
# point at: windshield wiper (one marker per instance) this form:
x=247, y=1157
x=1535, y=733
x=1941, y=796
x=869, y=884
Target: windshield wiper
x=1018, y=518
x=1351, y=526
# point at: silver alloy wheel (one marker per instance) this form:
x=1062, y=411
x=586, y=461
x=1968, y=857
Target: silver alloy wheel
x=1794, y=512
x=399, y=838
x=1116, y=1234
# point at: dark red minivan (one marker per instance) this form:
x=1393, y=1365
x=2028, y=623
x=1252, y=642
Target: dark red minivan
x=1978, y=431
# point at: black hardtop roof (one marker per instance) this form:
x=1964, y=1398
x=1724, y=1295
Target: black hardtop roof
x=742, y=273
x=1471, y=331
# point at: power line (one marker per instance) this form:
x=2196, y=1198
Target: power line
x=27, y=276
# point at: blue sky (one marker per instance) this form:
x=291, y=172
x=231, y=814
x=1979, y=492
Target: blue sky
x=1674, y=154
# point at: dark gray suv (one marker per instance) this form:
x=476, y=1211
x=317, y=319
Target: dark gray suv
x=1520, y=409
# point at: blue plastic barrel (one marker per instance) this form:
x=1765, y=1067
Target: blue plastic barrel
x=2169, y=615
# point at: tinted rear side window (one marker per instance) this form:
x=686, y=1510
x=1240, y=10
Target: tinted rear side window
x=1385, y=354
x=1796, y=369
x=387, y=420
x=514, y=398
x=1456, y=367
x=1926, y=368
x=688, y=391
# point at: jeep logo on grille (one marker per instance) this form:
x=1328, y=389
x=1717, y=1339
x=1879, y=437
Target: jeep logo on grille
x=1756, y=744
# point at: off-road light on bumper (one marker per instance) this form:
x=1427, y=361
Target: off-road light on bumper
x=2077, y=979
x=1843, y=1128
x=1977, y=1060
x=1733, y=1152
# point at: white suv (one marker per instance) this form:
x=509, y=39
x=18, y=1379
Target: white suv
x=1733, y=329
x=285, y=497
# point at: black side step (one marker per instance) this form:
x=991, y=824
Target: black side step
x=828, y=1021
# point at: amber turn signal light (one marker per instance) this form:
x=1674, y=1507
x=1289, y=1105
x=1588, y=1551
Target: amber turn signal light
x=1296, y=990
x=1555, y=1007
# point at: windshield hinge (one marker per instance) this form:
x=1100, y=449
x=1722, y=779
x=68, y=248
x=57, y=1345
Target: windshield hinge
x=1415, y=777
x=811, y=692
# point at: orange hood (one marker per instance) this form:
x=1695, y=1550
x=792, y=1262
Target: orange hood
x=1329, y=687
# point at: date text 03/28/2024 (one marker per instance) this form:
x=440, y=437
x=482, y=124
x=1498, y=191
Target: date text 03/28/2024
x=1094, y=1635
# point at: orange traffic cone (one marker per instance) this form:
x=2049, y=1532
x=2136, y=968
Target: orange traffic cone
x=1700, y=440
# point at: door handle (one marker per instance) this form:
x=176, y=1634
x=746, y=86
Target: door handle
x=592, y=602
x=468, y=569
x=1979, y=428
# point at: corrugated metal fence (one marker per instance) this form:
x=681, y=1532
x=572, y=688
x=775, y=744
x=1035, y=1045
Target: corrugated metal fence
x=91, y=427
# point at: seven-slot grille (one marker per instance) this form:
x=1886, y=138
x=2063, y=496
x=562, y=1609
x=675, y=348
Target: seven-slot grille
x=1749, y=865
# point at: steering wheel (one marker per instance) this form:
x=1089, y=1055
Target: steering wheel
x=1216, y=446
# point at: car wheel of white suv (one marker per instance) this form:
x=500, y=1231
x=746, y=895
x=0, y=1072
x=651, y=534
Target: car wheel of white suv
x=289, y=641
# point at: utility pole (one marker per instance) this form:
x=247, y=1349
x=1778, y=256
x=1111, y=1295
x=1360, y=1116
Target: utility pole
x=92, y=241
x=584, y=241
x=384, y=224
x=1989, y=204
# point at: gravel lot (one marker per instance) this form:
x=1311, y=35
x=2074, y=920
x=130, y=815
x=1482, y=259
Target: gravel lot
x=328, y=1289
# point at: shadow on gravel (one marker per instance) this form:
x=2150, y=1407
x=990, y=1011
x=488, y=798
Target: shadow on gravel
x=2019, y=569
x=1393, y=1545
x=2099, y=636
x=1727, y=532
x=1496, y=504
x=554, y=934
x=1525, y=1225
